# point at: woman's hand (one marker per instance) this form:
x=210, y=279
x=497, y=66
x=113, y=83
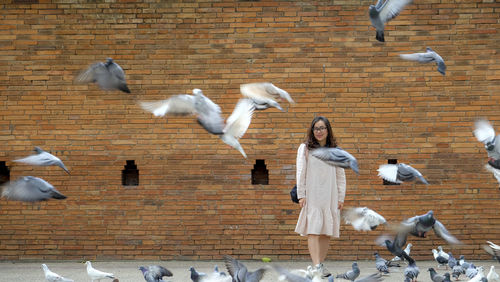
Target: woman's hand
x=341, y=205
x=302, y=202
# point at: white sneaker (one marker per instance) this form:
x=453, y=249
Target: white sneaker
x=323, y=270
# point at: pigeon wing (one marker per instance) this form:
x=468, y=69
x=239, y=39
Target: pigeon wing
x=239, y=121
x=258, y=91
x=209, y=114
x=236, y=269
x=375, y=277
x=389, y=172
x=159, y=271
x=337, y=157
x=116, y=71
x=275, y=91
x=408, y=173
x=441, y=231
x=290, y=276
x=419, y=57
x=391, y=8
x=175, y=105
x=255, y=276
x=92, y=73
x=440, y=63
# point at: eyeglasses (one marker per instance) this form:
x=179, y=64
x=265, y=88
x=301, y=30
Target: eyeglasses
x=321, y=128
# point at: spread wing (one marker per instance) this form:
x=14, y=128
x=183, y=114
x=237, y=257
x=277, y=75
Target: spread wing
x=175, y=105
x=391, y=8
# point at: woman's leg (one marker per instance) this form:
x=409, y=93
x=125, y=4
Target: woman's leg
x=324, y=245
x=313, y=242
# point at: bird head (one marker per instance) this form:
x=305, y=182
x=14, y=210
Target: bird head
x=197, y=92
x=143, y=269
x=44, y=267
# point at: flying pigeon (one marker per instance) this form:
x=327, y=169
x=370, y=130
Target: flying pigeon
x=493, y=275
x=427, y=57
x=154, y=273
x=485, y=134
x=53, y=277
x=383, y=12
x=237, y=124
x=399, y=173
x=95, y=274
x=351, y=274
x=406, y=250
x=336, y=157
x=264, y=95
x=380, y=263
x=439, y=258
x=108, y=75
x=493, y=249
x=239, y=271
x=363, y=218
x=30, y=189
x=412, y=271
x=43, y=158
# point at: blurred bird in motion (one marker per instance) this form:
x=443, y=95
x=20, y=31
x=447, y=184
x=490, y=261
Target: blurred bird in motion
x=108, y=75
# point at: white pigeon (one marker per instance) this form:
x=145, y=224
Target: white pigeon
x=382, y=12
x=264, y=94
x=95, y=274
x=427, y=57
x=363, y=218
x=399, y=173
x=237, y=124
x=485, y=134
x=108, y=75
x=440, y=260
x=492, y=275
x=478, y=277
x=43, y=158
x=406, y=250
x=52, y=276
x=443, y=253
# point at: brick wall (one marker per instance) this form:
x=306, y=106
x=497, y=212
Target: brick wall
x=195, y=199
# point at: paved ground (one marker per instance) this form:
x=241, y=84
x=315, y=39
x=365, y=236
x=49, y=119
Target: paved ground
x=127, y=271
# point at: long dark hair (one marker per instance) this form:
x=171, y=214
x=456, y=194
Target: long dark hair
x=311, y=141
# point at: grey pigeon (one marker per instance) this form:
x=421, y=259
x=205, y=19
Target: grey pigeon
x=406, y=250
x=380, y=263
x=239, y=271
x=485, y=134
x=412, y=271
x=383, y=12
x=52, y=276
x=399, y=173
x=43, y=158
x=427, y=57
x=351, y=274
x=471, y=271
x=452, y=261
x=108, y=75
x=435, y=277
x=208, y=115
x=396, y=250
x=197, y=276
x=375, y=277
x=464, y=264
x=419, y=226
x=337, y=157
x=264, y=95
x=154, y=273
x=363, y=218
x=479, y=275
x=492, y=249
x=456, y=271
x=30, y=189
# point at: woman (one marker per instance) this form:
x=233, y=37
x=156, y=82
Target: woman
x=321, y=192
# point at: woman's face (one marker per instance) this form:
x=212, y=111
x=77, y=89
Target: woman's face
x=320, y=131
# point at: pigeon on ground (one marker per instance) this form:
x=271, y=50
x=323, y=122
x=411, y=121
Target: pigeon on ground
x=239, y=271
x=485, y=134
x=479, y=275
x=197, y=276
x=412, y=271
x=406, y=250
x=264, y=95
x=381, y=263
x=463, y=263
x=399, y=173
x=440, y=259
x=30, y=189
x=351, y=274
x=384, y=11
x=435, y=277
x=427, y=57
x=95, y=274
x=208, y=115
x=108, y=75
x=492, y=249
x=43, y=158
x=154, y=273
x=375, y=277
x=456, y=271
x=443, y=253
x=337, y=157
x=471, y=271
x=452, y=261
x=492, y=275
x=396, y=250
x=363, y=218
x=52, y=276
x=312, y=275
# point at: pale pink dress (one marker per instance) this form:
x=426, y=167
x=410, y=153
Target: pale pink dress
x=323, y=185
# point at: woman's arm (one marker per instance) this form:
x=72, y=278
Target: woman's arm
x=301, y=171
x=341, y=185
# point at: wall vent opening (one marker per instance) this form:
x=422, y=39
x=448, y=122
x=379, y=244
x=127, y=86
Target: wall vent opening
x=4, y=173
x=130, y=175
x=260, y=174
x=386, y=182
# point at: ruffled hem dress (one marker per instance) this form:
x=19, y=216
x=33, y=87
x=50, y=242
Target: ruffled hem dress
x=323, y=185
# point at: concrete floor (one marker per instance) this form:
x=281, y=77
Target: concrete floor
x=127, y=271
